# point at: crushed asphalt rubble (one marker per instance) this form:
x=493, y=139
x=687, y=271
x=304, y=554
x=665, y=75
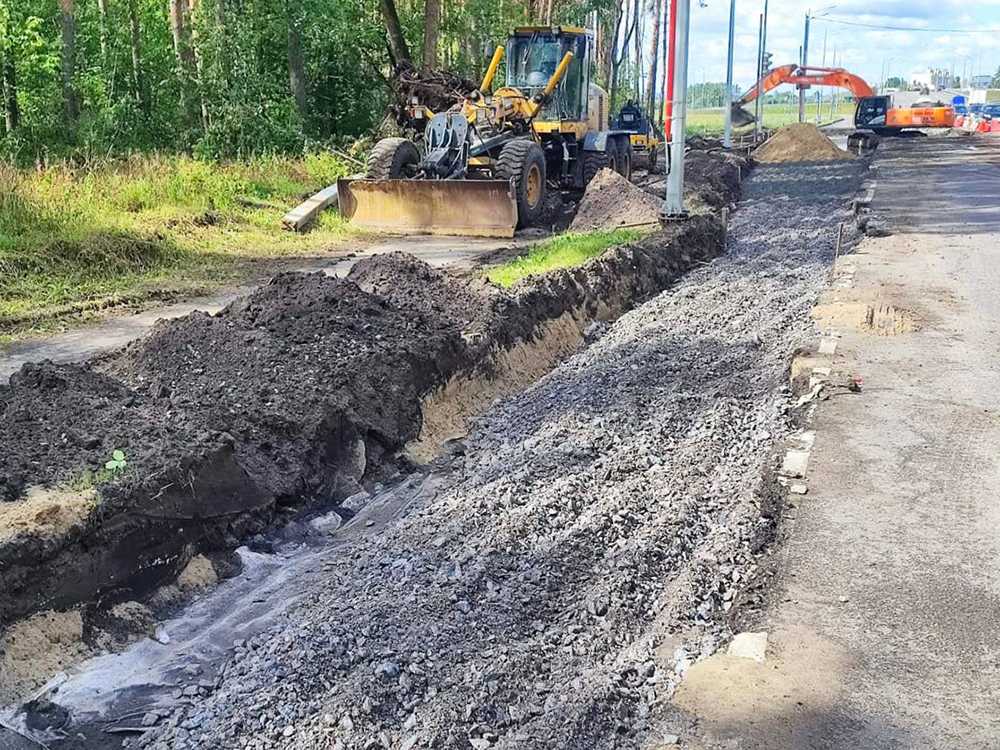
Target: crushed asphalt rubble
x=588, y=540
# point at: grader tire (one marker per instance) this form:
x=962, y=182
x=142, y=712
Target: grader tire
x=614, y=156
x=593, y=162
x=392, y=159
x=523, y=161
x=624, y=148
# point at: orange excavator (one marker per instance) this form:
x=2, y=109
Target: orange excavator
x=875, y=113
x=803, y=77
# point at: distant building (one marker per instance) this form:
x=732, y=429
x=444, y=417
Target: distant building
x=932, y=79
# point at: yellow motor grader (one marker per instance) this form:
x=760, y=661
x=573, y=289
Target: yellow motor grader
x=483, y=167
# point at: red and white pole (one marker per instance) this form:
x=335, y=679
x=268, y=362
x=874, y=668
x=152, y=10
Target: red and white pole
x=668, y=98
x=673, y=205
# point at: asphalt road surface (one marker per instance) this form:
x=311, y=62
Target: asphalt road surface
x=884, y=626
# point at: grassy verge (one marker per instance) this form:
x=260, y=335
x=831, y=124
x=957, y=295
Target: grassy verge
x=74, y=239
x=712, y=121
x=564, y=251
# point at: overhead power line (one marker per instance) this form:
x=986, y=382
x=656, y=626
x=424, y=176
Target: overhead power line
x=891, y=27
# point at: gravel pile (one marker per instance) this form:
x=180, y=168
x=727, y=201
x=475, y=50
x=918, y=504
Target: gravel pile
x=588, y=545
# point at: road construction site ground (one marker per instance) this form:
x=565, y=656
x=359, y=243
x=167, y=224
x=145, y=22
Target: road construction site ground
x=84, y=342
x=552, y=581
x=712, y=181
x=883, y=626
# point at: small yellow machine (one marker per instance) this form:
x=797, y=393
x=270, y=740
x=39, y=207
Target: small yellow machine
x=483, y=167
x=643, y=134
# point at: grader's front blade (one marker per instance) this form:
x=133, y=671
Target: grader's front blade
x=477, y=208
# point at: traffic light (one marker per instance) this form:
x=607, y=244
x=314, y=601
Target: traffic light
x=767, y=61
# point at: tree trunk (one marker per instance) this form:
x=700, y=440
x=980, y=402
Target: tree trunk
x=637, y=41
x=397, y=42
x=654, y=60
x=199, y=66
x=12, y=113
x=619, y=53
x=135, y=42
x=432, y=27
x=612, y=44
x=103, y=23
x=67, y=22
x=221, y=30
x=184, y=55
x=296, y=63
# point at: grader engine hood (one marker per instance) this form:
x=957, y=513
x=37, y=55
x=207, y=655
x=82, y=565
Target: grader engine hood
x=475, y=208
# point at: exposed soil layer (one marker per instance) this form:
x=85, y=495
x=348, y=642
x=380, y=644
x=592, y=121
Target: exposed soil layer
x=800, y=141
x=299, y=393
x=712, y=179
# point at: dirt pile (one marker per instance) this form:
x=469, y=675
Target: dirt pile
x=611, y=201
x=297, y=395
x=801, y=141
x=711, y=179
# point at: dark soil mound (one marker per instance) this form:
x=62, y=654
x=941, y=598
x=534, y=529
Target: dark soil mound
x=714, y=177
x=408, y=283
x=298, y=372
x=61, y=420
x=711, y=179
x=300, y=393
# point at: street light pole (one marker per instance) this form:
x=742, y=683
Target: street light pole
x=757, y=105
x=673, y=204
x=804, y=62
x=727, y=138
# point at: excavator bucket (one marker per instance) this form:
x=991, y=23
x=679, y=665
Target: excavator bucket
x=477, y=208
x=741, y=117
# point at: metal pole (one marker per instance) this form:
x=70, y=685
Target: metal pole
x=819, y=91
x=757, y=108
x=805, y=61
x=727, y=138
x=763, y=56
x=673, y=205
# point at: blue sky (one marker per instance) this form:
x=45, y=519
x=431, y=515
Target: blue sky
x=863, y=51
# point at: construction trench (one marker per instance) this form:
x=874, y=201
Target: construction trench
x=410, y=509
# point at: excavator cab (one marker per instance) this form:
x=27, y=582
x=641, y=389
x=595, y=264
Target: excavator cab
x=871, y=112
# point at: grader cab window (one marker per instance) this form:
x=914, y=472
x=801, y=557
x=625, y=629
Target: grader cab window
x=531, y=61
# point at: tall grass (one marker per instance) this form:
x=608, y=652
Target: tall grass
x=126, y=228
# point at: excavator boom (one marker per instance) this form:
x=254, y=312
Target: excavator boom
x=799, y=75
